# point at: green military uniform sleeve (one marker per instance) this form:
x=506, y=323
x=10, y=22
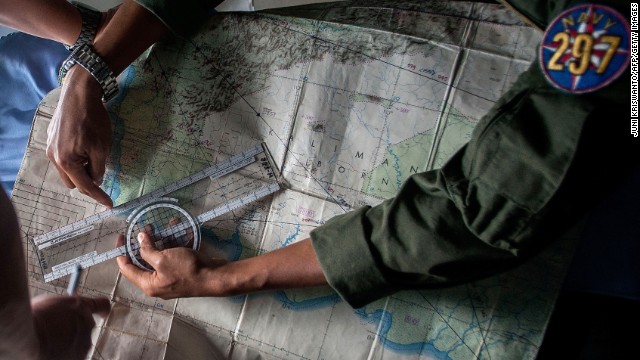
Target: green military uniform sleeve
x=181, y=17
x=525, y=177
x=541, y=13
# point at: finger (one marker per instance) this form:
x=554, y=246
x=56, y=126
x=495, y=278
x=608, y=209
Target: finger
x=100, y=306
x=148, y=250
x=97, y=165
x=149, y=230
x=123, y=259
x=136, y=275
x=84, y=183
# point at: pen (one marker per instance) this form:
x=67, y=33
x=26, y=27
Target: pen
x=74, y=281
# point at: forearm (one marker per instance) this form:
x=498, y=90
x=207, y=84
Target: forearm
x=57, y=20
x=129, y=33
x=17, y=334
x=294, y=266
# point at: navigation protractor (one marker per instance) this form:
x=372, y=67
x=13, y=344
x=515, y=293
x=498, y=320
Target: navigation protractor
x=204, y=195
x=167, y=224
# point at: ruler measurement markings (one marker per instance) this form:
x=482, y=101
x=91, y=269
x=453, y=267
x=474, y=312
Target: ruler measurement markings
x=74, y=261
x=81, y=227
x=236, y=203
x=235, y=162
x=85, y=261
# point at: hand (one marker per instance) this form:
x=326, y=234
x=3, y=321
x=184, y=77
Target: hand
x=79, y=135
x=63, y=324
x=179, y=272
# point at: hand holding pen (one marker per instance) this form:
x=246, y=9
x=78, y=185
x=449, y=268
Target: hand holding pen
x=64, y=323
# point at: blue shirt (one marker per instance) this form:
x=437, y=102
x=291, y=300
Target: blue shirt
x=28, y=71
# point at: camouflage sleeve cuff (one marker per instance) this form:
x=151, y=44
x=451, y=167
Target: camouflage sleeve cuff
x=347, y=261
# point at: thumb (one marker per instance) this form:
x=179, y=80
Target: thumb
x=148, y=249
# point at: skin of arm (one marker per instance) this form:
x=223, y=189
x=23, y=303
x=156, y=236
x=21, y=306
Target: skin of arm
x=57, y=20
x=182, y=272
x=17, y=332
x=79, y=135
x=48, y=327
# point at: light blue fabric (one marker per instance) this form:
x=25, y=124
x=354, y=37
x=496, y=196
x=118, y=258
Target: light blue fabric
x=28, y=71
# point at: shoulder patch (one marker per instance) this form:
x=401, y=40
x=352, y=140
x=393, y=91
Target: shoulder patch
x=585, y=48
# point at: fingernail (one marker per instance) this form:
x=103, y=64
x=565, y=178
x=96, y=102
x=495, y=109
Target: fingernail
x=140, y=237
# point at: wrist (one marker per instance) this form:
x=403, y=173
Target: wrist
x=91, y=20
x=70, y=31
x=81, y=80
x=85, y=56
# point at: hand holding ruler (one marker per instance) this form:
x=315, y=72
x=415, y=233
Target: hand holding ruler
x=241, y=179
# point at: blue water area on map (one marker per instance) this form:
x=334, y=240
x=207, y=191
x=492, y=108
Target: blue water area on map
x=386, y=322
x=306, y=304
x=111, y=180
x=292, y=237
x=231, y=247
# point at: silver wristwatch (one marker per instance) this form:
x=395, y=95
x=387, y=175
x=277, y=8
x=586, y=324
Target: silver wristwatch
x=85, y=56
x=90, y=21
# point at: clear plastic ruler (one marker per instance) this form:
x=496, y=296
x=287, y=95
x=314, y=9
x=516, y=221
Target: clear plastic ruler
x=208, y=194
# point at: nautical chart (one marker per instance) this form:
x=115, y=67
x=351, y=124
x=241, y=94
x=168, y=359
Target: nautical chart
x=350, y=98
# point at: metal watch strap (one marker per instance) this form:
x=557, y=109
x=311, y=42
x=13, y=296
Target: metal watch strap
x=90, y=22
x=85, y=56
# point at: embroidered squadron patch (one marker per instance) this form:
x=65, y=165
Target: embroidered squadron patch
x=585, y=48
